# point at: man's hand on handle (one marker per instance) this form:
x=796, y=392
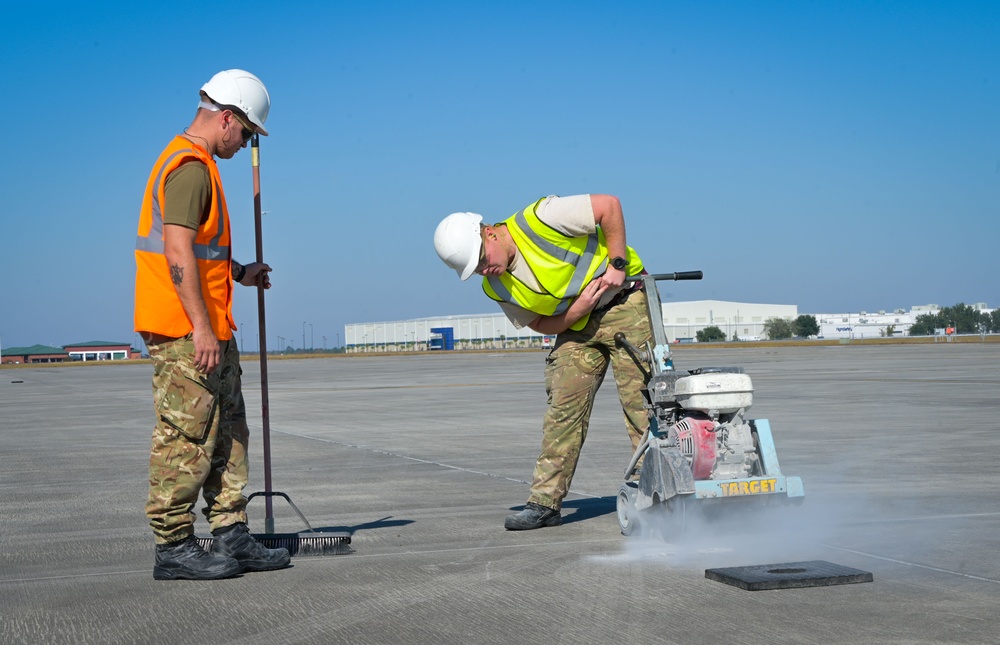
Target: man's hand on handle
x=257, y=273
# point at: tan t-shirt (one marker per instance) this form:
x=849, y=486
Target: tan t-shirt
x=188, y=194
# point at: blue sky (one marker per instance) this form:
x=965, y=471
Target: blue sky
x=839, y=156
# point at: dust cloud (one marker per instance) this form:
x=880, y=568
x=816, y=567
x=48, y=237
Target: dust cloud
x=744, y=531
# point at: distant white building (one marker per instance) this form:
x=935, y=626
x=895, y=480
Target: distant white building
x=863, y=324
x=468, y=331
x=879, y=324
x=681, y=322
x=738, y=320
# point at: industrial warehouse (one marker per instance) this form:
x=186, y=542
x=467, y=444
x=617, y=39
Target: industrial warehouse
x=739, y=321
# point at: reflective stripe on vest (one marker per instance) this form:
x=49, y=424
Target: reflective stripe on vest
x=562, y=264
x=153, y=241
x=581, y=261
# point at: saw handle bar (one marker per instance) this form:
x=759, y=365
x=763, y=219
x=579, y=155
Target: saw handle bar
x=680, y=275
x=629, y=347
x=658, y=353
x=641, y=358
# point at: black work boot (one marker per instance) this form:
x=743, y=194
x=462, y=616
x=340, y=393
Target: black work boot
x=185, y=560
x=234, y=541
x=534, y=516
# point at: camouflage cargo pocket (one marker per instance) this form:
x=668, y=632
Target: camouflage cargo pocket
x=189, y=402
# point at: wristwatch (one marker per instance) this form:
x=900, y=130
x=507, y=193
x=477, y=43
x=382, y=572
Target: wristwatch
x=619, y=263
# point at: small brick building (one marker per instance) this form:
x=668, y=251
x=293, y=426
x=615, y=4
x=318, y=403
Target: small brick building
x=99, y=350
x=95, y=350
x=34, y=354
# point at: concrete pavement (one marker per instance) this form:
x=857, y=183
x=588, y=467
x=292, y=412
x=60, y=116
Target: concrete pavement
x=421, y=457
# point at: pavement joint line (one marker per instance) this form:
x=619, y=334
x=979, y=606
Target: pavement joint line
x=910, y=564
x=399, y=456
x=956, y=516
x=950, y=381
x=432, y=386
x=70, y=577
x=422, y=461
x=518, y=546
x=854, y=377
x=298, y=562
x=476, y=548
x=419, y=460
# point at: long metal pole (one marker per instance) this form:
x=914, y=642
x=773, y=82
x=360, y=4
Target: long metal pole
x=265, y=413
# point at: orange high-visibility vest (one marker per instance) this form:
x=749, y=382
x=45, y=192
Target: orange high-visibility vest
x=158, y=309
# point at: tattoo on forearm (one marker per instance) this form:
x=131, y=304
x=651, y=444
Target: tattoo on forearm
x=176, y=274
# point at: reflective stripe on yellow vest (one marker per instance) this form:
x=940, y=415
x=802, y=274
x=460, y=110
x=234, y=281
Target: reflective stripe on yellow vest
x=158, y=309
x=563, y=266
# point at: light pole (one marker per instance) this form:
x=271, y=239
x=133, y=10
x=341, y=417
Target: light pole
x=303, y=335
x=312, y=344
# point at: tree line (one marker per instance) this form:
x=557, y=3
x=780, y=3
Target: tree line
x=963, y=318
x=775, y=328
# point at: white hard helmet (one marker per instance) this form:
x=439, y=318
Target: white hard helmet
x=457, y=241
x=243, y=91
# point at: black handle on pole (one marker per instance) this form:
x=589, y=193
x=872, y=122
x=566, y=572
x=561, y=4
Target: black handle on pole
x=680, y=275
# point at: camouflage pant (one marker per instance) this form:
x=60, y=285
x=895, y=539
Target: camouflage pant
x=199, y=441
x=574, y=371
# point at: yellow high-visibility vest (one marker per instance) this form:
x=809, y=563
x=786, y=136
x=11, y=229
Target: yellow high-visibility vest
x=562, y=264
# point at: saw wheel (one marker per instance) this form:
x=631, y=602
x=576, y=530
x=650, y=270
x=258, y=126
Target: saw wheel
x=666, y=520
x=669, y=520
x=628, y=515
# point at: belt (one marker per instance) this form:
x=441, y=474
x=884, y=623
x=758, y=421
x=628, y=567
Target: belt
x=156, y=339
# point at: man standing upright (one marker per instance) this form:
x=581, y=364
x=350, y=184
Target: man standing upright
x=183, y=310
x=559, y=266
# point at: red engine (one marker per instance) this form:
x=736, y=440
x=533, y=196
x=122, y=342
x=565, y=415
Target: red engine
x=697, y=440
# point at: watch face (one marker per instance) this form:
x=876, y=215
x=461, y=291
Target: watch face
x=619, y=263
